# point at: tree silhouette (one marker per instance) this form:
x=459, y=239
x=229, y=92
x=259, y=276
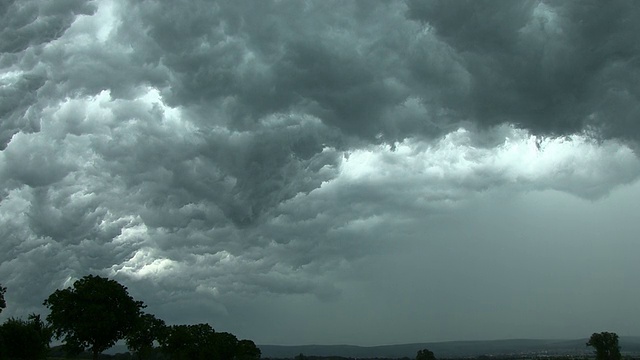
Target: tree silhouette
x=223, y=345
x=24, y=339
x=3, y=303
x=606, y=346
x=188, y=341
x=425, y=354
x=247, y=350
x=145, y=331
x=200, y=341
x=94, y=314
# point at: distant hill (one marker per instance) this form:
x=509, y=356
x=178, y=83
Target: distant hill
x=451, y=349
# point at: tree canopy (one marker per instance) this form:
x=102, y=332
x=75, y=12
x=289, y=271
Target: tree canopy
x=20, y=339
x=187, y=341
x=145, y=331
x=247, y=350
x=425, y=354
x=93, y=314
x=605, y=345
x=201, y=341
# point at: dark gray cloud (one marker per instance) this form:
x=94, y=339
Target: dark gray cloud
x=34, y=22
x=342, y=67
x=550, y=67
x=252, y=163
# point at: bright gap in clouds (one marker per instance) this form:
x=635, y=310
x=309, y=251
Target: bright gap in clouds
x=459, y=161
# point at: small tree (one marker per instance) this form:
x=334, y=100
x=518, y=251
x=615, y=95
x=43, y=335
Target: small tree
x=425, y=354
x=605, y=345
x=187, y=341
x=24, y=339
x=3, y=303
x=247, y=350
x=223, y=346
x=94, y=314
x=146, y=330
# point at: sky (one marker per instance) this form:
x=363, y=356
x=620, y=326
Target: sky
x=327, y=172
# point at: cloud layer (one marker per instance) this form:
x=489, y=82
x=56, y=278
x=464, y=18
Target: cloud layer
x=235, y=157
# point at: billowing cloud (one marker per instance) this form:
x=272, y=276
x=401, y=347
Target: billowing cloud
x=550, y=67
x=230, y=161
x=27, y=26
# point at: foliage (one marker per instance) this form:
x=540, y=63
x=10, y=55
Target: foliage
x=3, y=303
x=425, y=354
x=247, y=350
x=223, y=345
x=605, y=345
x=145, y=331
x=94, y=314
x=24, y=339
x=202, y=342
x=187, y=341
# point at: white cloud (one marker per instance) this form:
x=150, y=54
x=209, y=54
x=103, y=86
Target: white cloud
x=455, y=166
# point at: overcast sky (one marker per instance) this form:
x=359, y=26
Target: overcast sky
x=327, y=172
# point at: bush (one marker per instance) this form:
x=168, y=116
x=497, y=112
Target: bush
x=20, y=339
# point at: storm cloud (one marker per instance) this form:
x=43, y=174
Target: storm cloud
x=266, y=165
x=550, y=67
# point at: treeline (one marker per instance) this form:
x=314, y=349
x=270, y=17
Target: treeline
x=480, y=357
x=95, y=313
x=426, y=354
